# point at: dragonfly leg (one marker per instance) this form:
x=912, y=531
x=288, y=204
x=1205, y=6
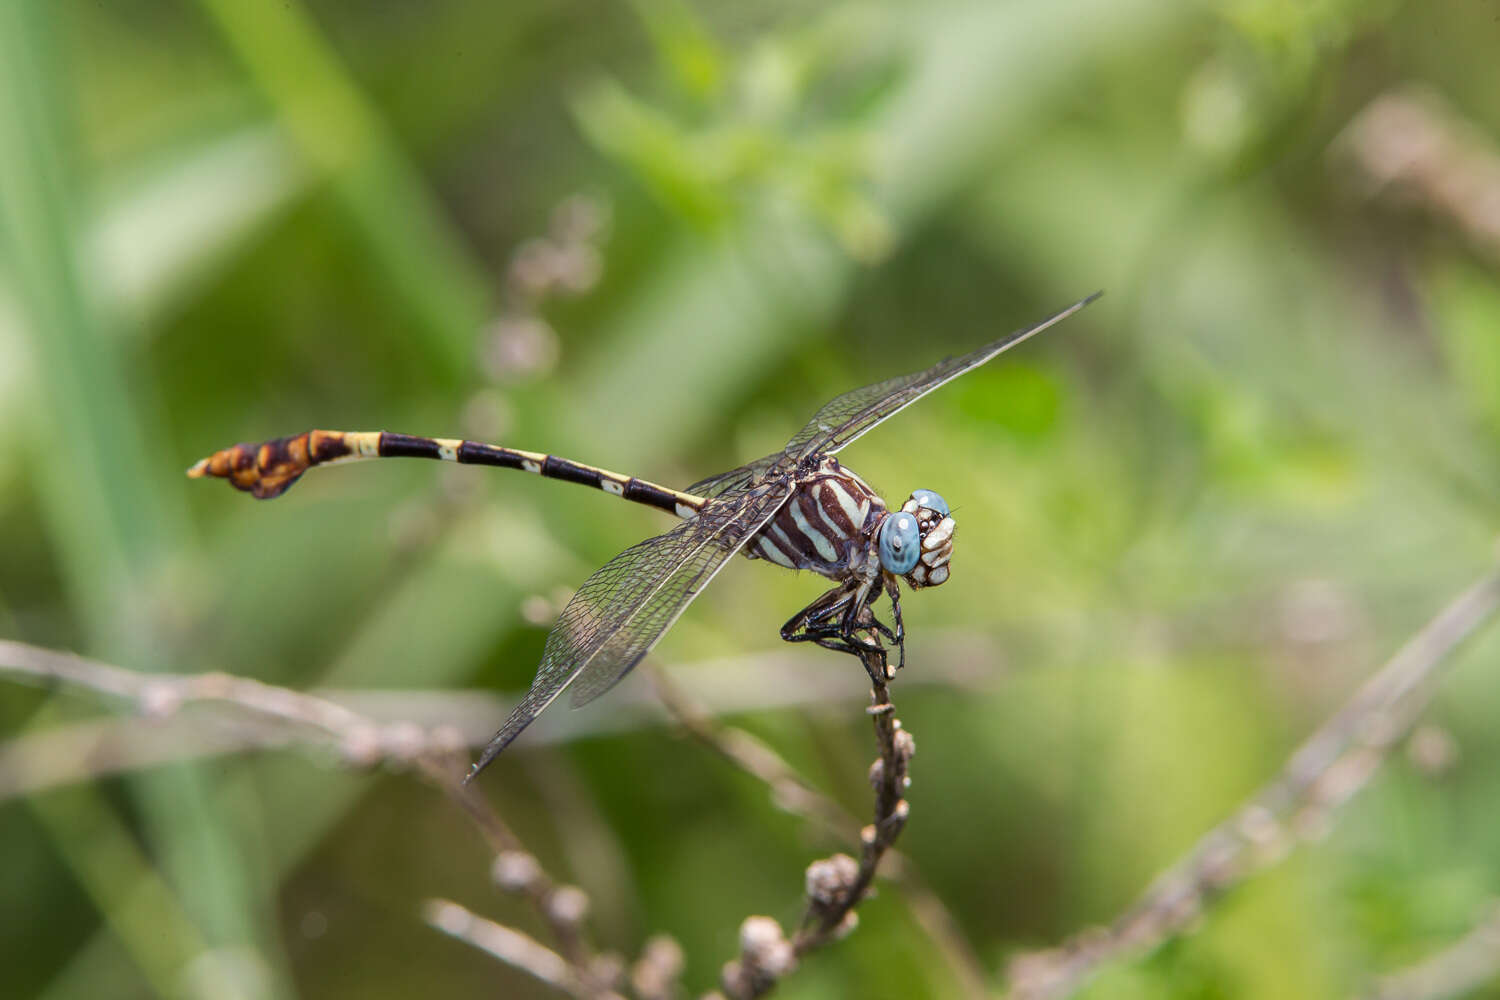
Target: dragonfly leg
x=836, y=620
x=858, y=618
x=893, y=591
x=819, y=611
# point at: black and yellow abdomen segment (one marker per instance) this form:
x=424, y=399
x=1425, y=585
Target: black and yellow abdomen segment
x=269, y=469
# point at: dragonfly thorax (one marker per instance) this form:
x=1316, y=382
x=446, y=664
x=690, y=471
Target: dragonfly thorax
x=837, y=526
x=827, y=525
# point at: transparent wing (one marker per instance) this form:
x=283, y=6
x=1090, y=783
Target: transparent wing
x=623, y=609
x=848, y=416
x=735, y=479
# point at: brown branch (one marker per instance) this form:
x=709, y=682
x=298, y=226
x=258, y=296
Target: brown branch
x=1328, y=769
x=830, y=904
x=437, y=755
x=402, y=723
x=510, y=946
x=836, y=885
x=1462, y=967
x=161, y=696
x=791, y=792
x=108, y=746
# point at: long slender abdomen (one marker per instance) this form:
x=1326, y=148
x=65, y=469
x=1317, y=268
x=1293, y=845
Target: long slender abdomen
x=269, y=469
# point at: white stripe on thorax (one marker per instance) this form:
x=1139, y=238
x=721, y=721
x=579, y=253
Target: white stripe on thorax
x=855, y=510
x=818, y=539
x=780, y=532
x=768, y=548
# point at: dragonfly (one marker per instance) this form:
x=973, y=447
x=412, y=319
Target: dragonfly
x=798, y=508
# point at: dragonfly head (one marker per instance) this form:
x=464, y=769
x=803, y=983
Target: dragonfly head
x=917, y=541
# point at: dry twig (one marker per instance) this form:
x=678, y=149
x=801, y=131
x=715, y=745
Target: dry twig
x=1462, y=967
x=838, y=884
x=437, y=755
x=403, y=722
x=792, y=792
x=1326, y=771
x=508, y=945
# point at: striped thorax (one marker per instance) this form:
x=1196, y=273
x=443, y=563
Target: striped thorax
x=824, y=526
x=835, y=525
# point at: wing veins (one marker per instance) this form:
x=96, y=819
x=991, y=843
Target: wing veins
x=596, y=640
x=918, y=384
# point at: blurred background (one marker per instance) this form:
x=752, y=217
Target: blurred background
x=655, y=235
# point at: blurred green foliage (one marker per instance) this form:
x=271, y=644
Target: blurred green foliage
x=1194, y=517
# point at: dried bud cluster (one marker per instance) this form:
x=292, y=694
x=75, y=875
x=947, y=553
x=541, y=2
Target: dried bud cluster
x=519, y=347
x=403, y=741
x=905, y=748
x=765, y=956
x=1433, y=750
x=515, y=871
x=568, y=904
x=906, y=745
x=830, y=880
x=654, y=976
x=360, y=746
x=366, y=744
x=159, y=700
x=607, y=969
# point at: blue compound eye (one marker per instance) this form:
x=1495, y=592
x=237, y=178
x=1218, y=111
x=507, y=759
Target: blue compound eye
x=900, y=543
x=930, y=500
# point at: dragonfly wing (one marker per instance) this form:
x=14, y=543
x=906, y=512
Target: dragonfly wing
x=846, y=417
x=849, y=416
x=734, y=479
x=628, y=604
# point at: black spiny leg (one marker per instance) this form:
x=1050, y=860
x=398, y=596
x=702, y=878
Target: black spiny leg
x=893, y=591
x=837, y=619
x=821, y=621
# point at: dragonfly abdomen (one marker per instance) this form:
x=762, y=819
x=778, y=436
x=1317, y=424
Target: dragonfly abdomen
x=269, y=469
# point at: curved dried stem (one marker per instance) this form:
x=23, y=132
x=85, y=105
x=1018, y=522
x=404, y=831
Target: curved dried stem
x=510, y=946
x=828, y=912
x=793, y=793
x=836, y=885
x=1334, y=764
x=405, y=722
x=1462, y=967
x=438, y=755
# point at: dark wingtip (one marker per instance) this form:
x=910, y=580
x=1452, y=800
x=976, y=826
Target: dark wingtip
x=1065, y=313
x=491, y=751
x=521, y=717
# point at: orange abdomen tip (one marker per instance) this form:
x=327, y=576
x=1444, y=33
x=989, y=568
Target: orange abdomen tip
x=267, y=470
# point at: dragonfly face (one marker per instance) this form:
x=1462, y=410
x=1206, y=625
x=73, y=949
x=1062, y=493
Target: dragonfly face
x=935, y=528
